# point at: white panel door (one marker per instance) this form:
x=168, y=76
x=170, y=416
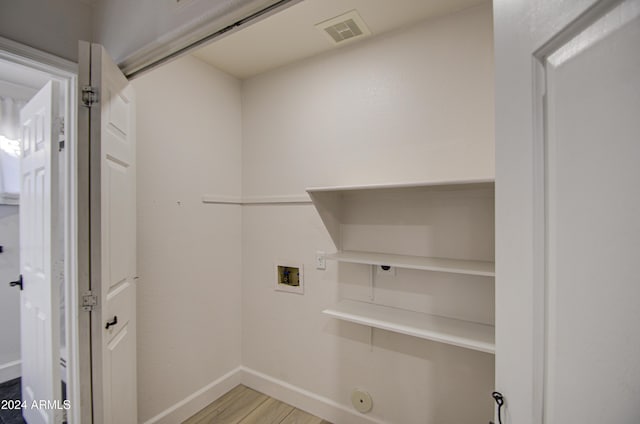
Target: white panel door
x=592, y=161
x=39, y=300
x=113, y=241
x=567, y=208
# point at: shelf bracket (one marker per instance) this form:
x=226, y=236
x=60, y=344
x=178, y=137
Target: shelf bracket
x=372, y=296
x=372, y=293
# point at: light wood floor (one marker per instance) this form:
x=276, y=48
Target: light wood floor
x=243, y=405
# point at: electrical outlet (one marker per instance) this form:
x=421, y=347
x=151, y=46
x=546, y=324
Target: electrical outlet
x=321, y=261
x=386, y=270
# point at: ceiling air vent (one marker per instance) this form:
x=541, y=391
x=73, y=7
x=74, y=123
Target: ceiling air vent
x=348, y=26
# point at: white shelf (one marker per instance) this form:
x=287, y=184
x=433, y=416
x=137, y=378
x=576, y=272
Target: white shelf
x=390, y=204
x=435, y=185
x=455, y=266
x=460, y=333
x=409, y=216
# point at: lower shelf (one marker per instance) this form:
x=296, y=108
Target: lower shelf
x=470, y=335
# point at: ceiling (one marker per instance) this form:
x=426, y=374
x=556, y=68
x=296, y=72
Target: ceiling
x=291, y=35
x=19, y=81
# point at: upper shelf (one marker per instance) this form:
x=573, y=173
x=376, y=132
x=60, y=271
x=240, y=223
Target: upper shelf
x=432, y=185
x=412, y=213
x=456, y=266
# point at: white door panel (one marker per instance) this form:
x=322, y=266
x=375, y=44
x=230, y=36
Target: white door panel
x=119, y=351
x=113, y=261
x=593, y=231
x=39, y=312
x=567, y=204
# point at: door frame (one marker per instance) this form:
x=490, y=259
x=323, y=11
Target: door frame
x=76, y=323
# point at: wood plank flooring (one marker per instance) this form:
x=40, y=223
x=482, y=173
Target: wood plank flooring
x=243, y=405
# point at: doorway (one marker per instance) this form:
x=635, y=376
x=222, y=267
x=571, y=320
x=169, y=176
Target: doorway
x=23, y=73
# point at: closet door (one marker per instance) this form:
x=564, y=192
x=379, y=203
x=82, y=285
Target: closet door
x=592, y=232
x=568, y=233
x=111, y=104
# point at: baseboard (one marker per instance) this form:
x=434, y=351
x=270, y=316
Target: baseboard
x=313, y=403
x=10, y=370
x=199, y=399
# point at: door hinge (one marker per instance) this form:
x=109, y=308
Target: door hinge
x=89, y=95
x=89, y=301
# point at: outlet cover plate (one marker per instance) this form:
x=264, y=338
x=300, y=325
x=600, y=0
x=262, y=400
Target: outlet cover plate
x=321, y=261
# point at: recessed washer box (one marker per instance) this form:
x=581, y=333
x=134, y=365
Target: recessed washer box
x=289, y=277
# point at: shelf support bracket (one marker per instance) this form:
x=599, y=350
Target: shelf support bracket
x=372, y=294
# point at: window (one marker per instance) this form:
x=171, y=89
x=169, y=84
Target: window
x=9, y=170
x=10, y=150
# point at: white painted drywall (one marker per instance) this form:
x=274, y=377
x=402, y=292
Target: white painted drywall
x=189, y=253
x=287, y=337
x=414, y=105
x=54, y=26
x=9, y=296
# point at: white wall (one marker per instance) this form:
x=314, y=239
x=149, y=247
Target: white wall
x=9, y=296
x=415, y=105
x=410, y=106
x=54, y=26
x=189, y=253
